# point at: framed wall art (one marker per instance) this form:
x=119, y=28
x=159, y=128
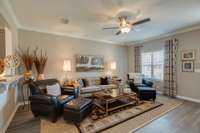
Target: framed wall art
x=88, y=63
x=188, y=55
x=188, y=66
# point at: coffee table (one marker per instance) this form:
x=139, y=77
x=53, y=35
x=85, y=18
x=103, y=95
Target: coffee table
x=114, y=99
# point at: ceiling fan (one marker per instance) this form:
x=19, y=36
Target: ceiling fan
x=125, y=26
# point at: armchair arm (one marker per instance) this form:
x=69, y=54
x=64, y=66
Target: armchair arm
x=43, y=99
x=70, y=91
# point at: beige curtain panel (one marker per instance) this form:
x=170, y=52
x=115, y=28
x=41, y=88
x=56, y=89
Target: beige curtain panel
x=170, y=68
x=137, y=51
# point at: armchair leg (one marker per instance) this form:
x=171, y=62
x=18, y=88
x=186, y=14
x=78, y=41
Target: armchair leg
x=54, y=119
x=35, y=115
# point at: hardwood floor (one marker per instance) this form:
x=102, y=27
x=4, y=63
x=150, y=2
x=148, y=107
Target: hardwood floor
x=184, y=119
x=24, y=122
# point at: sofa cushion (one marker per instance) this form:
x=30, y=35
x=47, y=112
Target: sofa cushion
x=90, y=89
x=85, y=82
x=110, y=86
x=104, y=80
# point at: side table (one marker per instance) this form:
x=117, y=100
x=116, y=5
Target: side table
x=25, y=97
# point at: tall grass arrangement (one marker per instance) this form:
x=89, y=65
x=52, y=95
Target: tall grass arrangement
x=27, y=57
x=40, y=60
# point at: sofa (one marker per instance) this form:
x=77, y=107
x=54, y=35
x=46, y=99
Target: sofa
x=89, y=85
x=43, y=104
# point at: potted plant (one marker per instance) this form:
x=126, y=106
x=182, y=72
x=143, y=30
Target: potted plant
x=40, y=60
x=28, y=60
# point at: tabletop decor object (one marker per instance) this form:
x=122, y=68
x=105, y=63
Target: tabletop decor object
x=11, y=63
x=28, y=60
x=40, y=60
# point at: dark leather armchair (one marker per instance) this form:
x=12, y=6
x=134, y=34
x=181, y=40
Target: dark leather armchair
x=47, y=105
x=145, y=90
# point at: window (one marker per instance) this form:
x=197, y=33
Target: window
x=153, y=64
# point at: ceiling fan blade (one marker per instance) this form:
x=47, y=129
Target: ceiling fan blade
x=110, y=28
x=118, y=33
x=141, y=21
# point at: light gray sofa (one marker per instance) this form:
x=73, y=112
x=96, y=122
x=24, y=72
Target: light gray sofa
x=94, y=86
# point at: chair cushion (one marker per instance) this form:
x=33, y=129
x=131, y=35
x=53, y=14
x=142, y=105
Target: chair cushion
x=54, y=90
x=64, y=98
x=148, y=83
x=146, y=89
x=78, y=104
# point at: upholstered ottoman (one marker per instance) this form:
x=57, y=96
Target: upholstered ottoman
x=77, y=109
x=147, y=93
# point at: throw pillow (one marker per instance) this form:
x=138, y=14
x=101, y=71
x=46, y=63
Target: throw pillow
x=54, y=90
x=80, y=82
x=85, y=82
x=104, y=80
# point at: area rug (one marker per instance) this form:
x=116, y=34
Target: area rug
x=90, y=125
x=125, y=121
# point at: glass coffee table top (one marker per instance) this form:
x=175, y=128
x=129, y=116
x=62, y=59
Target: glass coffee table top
x=113, y=93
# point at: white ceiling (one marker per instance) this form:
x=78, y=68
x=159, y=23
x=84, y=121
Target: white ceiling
x=88, y=17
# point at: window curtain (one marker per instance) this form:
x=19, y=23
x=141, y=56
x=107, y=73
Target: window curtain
x=170, y=67
x=137, y=51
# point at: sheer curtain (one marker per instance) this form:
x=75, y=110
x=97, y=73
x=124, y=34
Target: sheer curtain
x=170, y=67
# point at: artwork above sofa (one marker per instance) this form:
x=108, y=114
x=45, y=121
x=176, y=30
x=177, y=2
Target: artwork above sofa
x=85, y=63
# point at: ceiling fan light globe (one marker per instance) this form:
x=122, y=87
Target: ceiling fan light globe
x=125, y=29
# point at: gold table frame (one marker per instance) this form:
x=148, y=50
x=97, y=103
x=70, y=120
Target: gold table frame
x=103, y=99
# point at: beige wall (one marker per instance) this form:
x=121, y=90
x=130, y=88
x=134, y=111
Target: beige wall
x=59, y=48
x=188, y=83
x=2, y=44
x=9, y=22
x=8, y=97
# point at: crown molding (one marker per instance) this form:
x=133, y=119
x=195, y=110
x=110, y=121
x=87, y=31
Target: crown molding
x=170, y=34
x=9, y=8
x=68, y=35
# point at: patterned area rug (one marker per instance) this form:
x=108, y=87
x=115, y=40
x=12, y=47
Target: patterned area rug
x=128, y=120
x=91, y=125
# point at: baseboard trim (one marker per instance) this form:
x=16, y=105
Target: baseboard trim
x=159, y=92
x=22, y=103
x=183, y=97
x=5, y=127
x=188, y=99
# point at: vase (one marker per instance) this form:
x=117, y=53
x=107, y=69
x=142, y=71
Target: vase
x=28, y=75
x=40, y=76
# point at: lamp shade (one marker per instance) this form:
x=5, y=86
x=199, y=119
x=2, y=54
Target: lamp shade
x=113, y=65
x=67, y=65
